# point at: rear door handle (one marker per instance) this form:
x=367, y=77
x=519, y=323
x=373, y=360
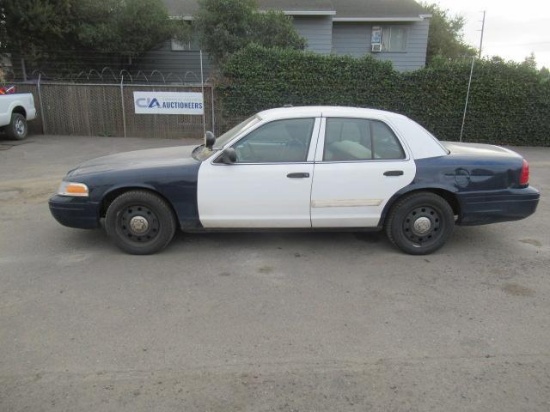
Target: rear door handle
x=394, y=173
x=297, y=175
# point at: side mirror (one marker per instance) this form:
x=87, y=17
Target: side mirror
x=229, y=156
x=209, y=139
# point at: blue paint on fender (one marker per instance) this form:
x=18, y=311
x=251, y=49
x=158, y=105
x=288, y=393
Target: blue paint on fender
x=169, y=172
x=486, y=187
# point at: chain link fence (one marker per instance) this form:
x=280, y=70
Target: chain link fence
x=87, y=109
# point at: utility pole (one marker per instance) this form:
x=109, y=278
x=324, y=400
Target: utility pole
x=482, y=32
x=471, y=75
x=467, y=98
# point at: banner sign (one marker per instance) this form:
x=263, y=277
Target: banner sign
x=168, y=103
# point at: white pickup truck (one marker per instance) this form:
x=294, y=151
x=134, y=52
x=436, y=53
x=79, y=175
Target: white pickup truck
x=15, y=111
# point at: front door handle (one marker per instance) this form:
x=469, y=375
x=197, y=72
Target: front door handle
x=394, y=173
x=297, y=175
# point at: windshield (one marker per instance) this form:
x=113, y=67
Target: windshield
x=227, y=136
x=202, y=152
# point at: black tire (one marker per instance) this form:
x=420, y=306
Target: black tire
x=18, y=128
x=140, y=222
x=420, y=223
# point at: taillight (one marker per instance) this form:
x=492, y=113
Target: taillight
x=524, y=175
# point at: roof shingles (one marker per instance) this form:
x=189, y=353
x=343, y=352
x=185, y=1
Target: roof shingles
x=343, y=8
x=296, y=5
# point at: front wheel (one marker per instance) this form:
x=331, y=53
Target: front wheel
x=420, y=223
x=140, y=222
x=18, y=128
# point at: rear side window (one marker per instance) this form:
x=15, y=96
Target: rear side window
x=360, y=139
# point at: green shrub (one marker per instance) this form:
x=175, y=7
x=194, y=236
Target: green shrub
x=509, y=103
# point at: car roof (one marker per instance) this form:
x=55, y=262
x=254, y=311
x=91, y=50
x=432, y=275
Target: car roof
x=421, y=142
x=325, y=111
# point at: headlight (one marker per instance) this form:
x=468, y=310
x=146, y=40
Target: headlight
x=73, y=189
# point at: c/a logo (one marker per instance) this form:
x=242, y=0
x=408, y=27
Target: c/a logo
x=148, y=103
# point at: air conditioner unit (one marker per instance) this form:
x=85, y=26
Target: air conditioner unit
x=376, y=48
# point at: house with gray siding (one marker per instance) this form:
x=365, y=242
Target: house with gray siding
x=394, y=30
x=390, y=30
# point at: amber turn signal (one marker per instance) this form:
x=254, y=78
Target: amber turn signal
x=73, y=189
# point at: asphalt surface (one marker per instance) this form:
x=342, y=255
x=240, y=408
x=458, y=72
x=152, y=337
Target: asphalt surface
x=263, y=322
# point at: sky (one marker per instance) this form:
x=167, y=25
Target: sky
x=513, y=29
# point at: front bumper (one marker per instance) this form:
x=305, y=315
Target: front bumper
x=74, y=212
x=497, y=206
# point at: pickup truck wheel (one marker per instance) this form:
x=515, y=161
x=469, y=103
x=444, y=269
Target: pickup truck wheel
x=17, y=129
x=420, y=223
x=140, y=222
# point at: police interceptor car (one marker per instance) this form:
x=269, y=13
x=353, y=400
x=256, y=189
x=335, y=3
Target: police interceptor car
x=312, y=168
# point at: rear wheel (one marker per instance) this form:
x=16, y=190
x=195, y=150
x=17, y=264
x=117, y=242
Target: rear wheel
x=17, y=129
x=420, y=223
x=140, y=222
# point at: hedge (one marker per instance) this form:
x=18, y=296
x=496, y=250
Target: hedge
x=509, y=103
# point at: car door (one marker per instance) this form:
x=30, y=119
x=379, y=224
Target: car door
x=269, y=185
x=359, y=165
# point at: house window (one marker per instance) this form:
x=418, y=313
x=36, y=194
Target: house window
x=394, y=38
x=183, y=44
x=180, y=46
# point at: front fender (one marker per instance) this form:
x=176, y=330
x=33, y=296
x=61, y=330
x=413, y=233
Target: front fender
x=180, y=194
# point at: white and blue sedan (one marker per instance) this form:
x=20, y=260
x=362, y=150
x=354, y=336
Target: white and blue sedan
x=301, y=168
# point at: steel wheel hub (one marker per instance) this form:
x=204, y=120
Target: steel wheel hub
x=422, y=225
x=139, y=224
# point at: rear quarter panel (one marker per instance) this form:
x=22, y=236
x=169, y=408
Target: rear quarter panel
x=484, y=186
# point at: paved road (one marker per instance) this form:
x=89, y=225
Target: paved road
x=263, y=322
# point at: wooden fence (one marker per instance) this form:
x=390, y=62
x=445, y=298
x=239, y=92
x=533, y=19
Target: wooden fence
x=108, y=110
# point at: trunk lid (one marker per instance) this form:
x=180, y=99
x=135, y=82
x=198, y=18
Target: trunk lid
x=478, y=149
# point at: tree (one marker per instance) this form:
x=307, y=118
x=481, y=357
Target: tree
x=62, y=33
x=274, y=29
x=3, y=32
x=124, y=28
x=530, y=62
x=226, y=26
x=445, y=39
x=37, y=28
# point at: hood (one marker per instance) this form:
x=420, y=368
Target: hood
x=137, y=160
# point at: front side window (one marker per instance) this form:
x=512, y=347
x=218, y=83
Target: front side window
x=394, y=38
x=360, y=139
x=280, y=141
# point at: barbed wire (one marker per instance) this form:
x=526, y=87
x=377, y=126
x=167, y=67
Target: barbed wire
x=108, y=76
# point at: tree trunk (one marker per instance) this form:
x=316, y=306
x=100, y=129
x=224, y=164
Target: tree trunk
x=23, y=69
